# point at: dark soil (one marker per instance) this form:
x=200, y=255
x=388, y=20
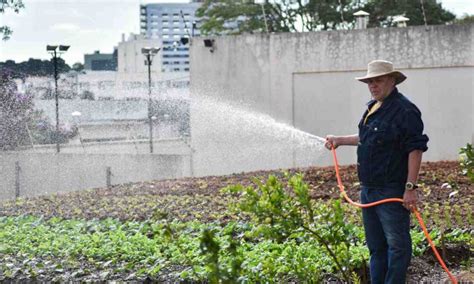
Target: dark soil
x=200, y=199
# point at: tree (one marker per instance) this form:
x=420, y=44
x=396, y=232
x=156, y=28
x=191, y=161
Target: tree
x=78, y=66
x=16, y=6
x=382, y=12
x=227, y=16
x=35, y=67
x=14, y=111
x=20, y=124
x=465, y=19
x=235, y=17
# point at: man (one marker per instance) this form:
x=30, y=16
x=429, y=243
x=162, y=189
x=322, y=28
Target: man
x=389, y=144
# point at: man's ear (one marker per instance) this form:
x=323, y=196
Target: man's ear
x=394, y=80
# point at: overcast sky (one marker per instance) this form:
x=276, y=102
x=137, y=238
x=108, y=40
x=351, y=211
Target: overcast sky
x=89, y=25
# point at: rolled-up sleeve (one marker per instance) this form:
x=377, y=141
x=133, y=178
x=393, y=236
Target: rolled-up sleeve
x=413, y=138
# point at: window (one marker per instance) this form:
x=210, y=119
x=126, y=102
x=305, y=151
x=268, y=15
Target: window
x=165, y=30
x=166, y=36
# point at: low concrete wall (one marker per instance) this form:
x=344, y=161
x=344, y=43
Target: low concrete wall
x=44, y=173
x=307, y=80
x=177, y=146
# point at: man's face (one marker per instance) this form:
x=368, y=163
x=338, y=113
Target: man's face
x=380, y=87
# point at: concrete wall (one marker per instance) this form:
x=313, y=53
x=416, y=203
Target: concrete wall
x=44, y=173
x=307, y=80
x=162, y=147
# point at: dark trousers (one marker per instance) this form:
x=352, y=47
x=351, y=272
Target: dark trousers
x=387, y=232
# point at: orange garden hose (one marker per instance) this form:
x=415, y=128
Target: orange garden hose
x=417, y=214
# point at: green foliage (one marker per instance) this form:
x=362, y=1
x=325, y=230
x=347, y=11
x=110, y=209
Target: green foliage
x=465, y=19
x=382, y=12
x=78, y=67
x=218, y=272
x=34, y=67
x=190, y=251
x=6, y=5
x=20, y=124
x=467, y=161
x=235, y=17
x=284, y=214
x=180, y=231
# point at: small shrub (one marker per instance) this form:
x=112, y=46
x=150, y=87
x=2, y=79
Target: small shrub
x=467, y=161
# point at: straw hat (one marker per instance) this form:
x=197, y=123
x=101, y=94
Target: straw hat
x=379, y=68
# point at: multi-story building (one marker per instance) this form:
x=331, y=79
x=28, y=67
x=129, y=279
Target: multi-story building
x=168, y=23
x=101, y=61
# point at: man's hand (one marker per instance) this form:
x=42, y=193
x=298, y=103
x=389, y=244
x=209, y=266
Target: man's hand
x=331, y=140
x=410, y=199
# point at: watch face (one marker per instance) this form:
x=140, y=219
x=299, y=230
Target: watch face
x=409, y=185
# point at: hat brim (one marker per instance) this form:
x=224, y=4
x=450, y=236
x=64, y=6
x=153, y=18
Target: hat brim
x=399, y=77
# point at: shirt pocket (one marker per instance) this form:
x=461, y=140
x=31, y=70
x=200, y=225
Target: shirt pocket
x=380, y=134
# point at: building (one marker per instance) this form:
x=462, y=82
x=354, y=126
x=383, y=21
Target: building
x=168, y=23
x=101, y=61
x=130, y=57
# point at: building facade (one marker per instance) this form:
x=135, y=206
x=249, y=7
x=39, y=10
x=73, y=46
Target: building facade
x=168, y=23
x=101, y=61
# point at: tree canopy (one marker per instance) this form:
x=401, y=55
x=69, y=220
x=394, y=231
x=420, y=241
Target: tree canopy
x=20, y=124
x=234, y=17
x=34, y=67
x=5, y=5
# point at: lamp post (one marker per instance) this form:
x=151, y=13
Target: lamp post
x=149, y=53
x=56, y=51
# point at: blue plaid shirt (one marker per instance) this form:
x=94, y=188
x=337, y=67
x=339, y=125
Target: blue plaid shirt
x=386, y=139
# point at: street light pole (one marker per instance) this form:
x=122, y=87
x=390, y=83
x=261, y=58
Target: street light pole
x=150, y=121
x=149, y=52
x=53, y=50
x=56, y=98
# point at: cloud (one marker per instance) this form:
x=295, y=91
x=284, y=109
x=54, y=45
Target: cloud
x=66, y=27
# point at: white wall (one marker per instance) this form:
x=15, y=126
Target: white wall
x=44, y=173
x=307, y=80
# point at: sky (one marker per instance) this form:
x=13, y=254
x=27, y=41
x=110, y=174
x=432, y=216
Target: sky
x=90, y=25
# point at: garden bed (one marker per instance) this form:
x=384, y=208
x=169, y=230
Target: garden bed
x=129, y=222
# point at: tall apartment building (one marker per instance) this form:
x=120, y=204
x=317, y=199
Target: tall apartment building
x=168, y=23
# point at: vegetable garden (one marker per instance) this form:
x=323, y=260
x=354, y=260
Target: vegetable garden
x=269, y=226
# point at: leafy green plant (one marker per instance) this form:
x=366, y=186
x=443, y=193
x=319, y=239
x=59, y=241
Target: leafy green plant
x=467, y=161
x=284, y=213
x=211, y=247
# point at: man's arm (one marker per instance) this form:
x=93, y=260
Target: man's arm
x=337, y=141
x=410, y=197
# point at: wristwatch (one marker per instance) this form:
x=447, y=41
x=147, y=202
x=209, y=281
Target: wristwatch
x=410, y=186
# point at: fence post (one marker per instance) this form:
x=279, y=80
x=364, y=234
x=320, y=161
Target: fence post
x=108, y=176
x=17, y=179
